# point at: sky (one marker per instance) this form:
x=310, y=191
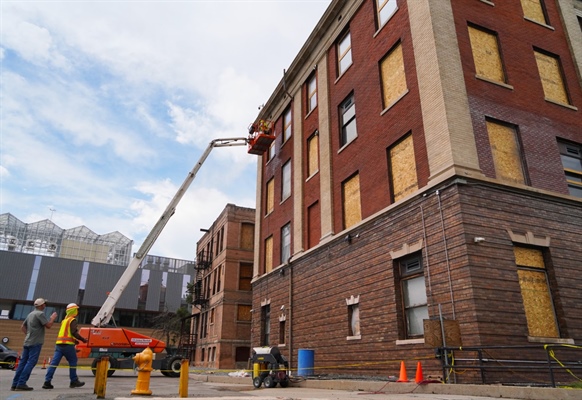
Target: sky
x=106, y=106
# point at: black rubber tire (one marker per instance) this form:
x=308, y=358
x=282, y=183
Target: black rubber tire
x=174, y=366
x=284, y=383
x=257, y=382
x=269, y=382
x=113, y=365
x=10, y=363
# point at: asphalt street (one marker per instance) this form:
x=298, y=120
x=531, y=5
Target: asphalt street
x=120, y=385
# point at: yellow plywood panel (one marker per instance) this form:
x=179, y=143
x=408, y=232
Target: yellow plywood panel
x=403, y=168
x=244, y=313
x=505, y=150
x=537, y=302
x=526, y=257
x=247, y=236
x=269, y=254
x=313, y=151
x=486, y=55
x=393, y=76
x=532, y=9
x=351, y=196
x=270, y=196
x=551, y=76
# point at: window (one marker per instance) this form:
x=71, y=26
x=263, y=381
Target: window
x=270, y=196
x=353, y=317
x=413, y=290
x=393, y=76
x=571, y=155
x=535, y=292
x=247, y=236
x=245, y=276
x=265, y=324
x=506, y=152
x=269, y=254
x=534, y=10
x=311, y=93
x=313, y=154
x=344, y=56
x=287, y=126
x=486, y=55
x=286, y=179
x=271, y=151
x=402, y=165
x=385, y=9
x=550, y=71
x=243, y=312
x=285, y=243
x=282, y=332
x=351, y=201
x=347, y=114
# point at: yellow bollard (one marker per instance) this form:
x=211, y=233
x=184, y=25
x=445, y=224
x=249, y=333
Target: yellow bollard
x=144, y=370
x=101, y=377
x=183, y=389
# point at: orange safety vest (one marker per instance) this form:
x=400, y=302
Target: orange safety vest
x=65, y=336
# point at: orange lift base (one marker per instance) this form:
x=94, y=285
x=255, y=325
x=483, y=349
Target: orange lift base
x=260, y=143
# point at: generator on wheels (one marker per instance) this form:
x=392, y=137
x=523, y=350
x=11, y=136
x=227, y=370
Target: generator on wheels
x=269, y=367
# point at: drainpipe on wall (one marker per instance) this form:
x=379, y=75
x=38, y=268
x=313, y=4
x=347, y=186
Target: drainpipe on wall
x=290, y=313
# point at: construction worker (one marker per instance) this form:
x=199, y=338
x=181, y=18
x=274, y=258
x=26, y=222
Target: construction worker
x=33, y=327
x=66, y=340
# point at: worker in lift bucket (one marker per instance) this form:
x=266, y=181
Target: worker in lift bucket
x=66, y=340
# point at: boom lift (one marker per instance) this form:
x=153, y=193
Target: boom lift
x=120, y=344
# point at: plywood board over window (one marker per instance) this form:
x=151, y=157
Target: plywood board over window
x=532, y=9
x=270, y=196
x=312, y=154
x=247, y=236
x=269, y=254
x=505, y=150
x=393, y=76
x=486, y=55
x=551, y=75
x=351, y=198
x=403, y=168
x=535, y=292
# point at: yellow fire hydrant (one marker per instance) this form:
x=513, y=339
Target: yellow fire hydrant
x=144, y=370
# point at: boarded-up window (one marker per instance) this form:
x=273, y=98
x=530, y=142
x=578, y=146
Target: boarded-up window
x=247, y=236
x=243, y=312
x=403, y=168
x=486, y=55
x=533, y=9
x=312, y=154
x=393, y=76
x=270, y=196
x=535, y=292
x=551, y=76
x=313, y=225
x=269, y=254
x=245, y=276
x=351, y=201
x=505, y=150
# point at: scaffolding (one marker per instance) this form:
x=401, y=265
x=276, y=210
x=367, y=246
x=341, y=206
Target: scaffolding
x=47, y=239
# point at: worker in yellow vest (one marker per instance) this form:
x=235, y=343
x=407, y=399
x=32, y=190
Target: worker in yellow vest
x=66, y=340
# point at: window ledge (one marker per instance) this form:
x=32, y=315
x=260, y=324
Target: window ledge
x=502, y=84
x=384, y=111
x=311, y=176
x=539, y=339
x=539, y=23
x=343, y=73
x=409, y=341
x=490, y=3
x=356, y=337
x=311, y=111
x=346, y=145
x=571, y=107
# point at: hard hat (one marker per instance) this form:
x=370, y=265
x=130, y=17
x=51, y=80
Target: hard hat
x=71, y=306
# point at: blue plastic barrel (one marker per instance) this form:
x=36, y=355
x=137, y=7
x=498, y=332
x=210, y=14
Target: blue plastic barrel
x=305, y=362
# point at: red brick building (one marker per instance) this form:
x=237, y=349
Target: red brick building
x=222, y=300
x=427, y=167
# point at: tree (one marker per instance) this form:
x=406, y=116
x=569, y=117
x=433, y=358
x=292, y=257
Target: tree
x=169, y=326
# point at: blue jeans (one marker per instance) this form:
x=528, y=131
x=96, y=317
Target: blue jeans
x=28, y=360
x=70, y=353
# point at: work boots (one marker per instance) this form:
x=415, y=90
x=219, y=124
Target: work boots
x=76, y=384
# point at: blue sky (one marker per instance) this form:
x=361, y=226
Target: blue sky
x=107, y=105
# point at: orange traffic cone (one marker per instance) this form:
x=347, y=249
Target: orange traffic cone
x=419, y=378
x=44, y=363
x=17, y=362
x=403, y=377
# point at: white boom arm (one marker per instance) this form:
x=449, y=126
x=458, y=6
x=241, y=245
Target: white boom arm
x=104, y=315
